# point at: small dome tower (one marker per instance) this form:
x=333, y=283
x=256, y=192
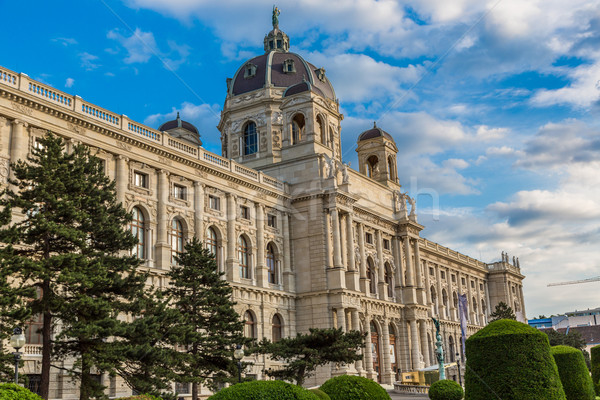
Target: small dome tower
x=377, y=154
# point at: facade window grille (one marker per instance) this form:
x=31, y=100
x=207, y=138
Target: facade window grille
x=140, y=179
x=271, y=265
x=177, y=239
x=138, y=229
x=250, y=139
x=243, y=258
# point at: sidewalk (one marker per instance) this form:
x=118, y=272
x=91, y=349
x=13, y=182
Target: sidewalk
x=398, y=396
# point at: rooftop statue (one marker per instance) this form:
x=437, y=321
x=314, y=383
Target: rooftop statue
x=276, y=13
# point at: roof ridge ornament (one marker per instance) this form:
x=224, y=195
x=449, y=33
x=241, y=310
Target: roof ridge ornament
x=275, y=17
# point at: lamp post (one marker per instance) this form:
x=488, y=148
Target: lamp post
x=458, y=363
x=238, y=354
x=17, y=341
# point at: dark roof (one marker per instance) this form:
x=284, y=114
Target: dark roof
x=374, y=133
x=175, y=124
x=269, y=69
x=301, y=88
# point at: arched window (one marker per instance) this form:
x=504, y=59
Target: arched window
x=389, y=279
x=250, y=139
x=297, y=128
x=452, y=350
x=375, y=349
x=272, y=264
x=391, y=169
x=243, y=258
x=330, y=144
x=320, y=130
x=371, y=276
x=176, y=239
x=211, y=243
x=372, y=166
x=138, y=229
x=249, y=325
x=276, y=328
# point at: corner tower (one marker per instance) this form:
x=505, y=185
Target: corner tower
x=377, y=154
x=279, y=108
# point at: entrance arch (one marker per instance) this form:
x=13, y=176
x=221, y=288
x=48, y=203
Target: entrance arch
x=375, y=350
x=393, y=355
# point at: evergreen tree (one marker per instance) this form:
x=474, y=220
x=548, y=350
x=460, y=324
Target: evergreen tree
x=502, y=311
x=304, y=353
x=66, y=240
x=572, y=338
x=208, y=328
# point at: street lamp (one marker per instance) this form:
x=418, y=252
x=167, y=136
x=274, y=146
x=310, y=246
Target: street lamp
x=238, y=354
x=458, y=363
x=17, y=341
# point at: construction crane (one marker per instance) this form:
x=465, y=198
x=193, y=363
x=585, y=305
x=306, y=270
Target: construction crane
x=596, y=279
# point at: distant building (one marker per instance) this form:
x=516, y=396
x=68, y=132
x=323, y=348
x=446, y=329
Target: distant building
x=586, y=322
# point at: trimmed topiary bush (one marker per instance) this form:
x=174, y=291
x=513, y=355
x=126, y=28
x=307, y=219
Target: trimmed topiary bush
x=320, y=394
x=511, y=361
x=445, y=390
x=596, y=368
x=10, y=391
x=348, y=387
x=573, y=372
x=143, y=396
x=264, y=390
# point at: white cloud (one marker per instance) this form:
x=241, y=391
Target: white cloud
x=69, y=82
x=88, y=61
x=65, y=41
x=582, y=92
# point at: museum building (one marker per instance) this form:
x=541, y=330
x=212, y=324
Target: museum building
x=304, y=240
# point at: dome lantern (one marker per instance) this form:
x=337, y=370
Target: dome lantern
x=276, y=40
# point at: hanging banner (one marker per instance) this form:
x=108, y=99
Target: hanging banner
x=463, y=313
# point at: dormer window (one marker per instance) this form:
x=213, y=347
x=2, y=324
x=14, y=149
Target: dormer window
x=321, y=74
x=289, y=67
x=270, y=44
x=279, y=43
x=249, y=70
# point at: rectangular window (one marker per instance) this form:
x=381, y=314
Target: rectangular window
x=453, y=278
x=179, y=192
x=386, y=244
x=182, y=388
x=369, y=238
x=140, y=179
x=472, y=284
x=37, y=144
x=463, y=281
x=481, y=287
x=214, y=202
x=431, y=272
x=442, y=274
x=34, y=383
x=244, y=212
x=272, y=220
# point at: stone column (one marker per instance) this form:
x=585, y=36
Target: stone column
x=521, y=300
x=343, y=242
x=341, y=319
x=19, y=143
x=381, y=286
x=364, y=287
x=122, y=178
x=288, y=276
x=356, y=327
x=427, y=288
x=337, y=256
x=352, y=275
x=410, y=280
x=487, y=300
x=424, y=342
x=421, y=295
x=328, y=245
x=163, y=249
x=199, y=211
x=336, y=276
x=369, y=349
x=232, y=273
x=441, y=307
x=415, y=351
x=472, y=313
x=262, y=274
x=388, y=373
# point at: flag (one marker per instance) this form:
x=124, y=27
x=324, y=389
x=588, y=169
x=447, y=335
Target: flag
x=463, y=313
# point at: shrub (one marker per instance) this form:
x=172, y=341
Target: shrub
x=320, y=394
x=264, y=390
x=348, y=387
x=512, y=361
x=573, y=372
x=445, y=390
x=10, y=391
x=596, y=368
x=143, y=396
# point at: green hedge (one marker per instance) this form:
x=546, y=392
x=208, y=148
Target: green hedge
x=445, y=390
x=264, y=390
x=320, y=394
x=596, y=368
x=573, y=372
x=144, y=396
x=511, y=361
x=10, y=391
x=348, y=387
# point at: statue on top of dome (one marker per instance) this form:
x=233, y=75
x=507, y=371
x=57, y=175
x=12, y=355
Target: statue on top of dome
x=275, y=18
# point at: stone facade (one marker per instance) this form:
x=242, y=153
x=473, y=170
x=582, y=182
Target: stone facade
x=304, y=240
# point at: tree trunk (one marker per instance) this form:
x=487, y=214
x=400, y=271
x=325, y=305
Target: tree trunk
x=194, y=390
x=84, y=387
x=46, y=347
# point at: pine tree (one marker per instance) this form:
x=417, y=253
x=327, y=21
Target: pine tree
x=304, y=353
x=208, y=327
x=66, y=240
x=502, y=311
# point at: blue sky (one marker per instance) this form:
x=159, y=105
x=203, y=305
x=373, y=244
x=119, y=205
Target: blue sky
x=494, y=105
